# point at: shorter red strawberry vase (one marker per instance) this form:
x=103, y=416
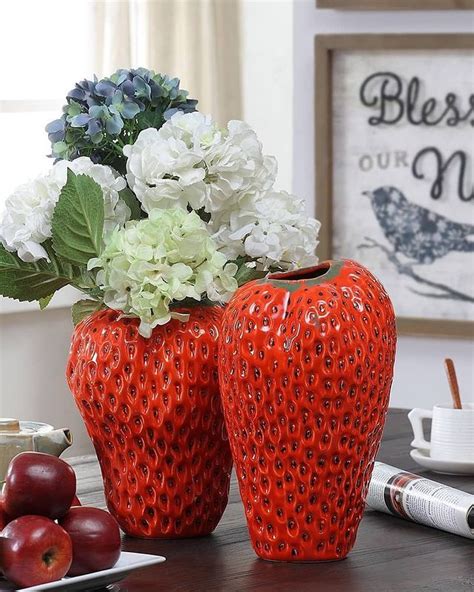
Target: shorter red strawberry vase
x=305, y=365
x=153, y=411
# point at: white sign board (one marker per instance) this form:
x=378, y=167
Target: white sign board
x=403, y=199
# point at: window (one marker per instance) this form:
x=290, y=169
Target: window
x=45, y=47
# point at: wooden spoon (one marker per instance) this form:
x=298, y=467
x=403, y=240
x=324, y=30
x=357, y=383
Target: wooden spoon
x=453, y=383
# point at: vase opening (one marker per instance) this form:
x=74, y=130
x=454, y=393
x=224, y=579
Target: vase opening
x=298, y=275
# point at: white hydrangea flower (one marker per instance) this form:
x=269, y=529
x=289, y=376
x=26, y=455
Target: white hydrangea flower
x=26, y=221
x=150, y=264
x=272, y=229
x=189, y=160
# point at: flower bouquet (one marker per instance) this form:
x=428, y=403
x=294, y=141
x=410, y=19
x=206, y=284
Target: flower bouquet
x=149, y=203
x=157, y=214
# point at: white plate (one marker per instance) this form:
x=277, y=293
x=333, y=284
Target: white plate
x=448, y=467
x=127, y=563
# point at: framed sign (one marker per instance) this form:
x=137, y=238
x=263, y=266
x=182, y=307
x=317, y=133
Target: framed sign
x=394, y=160
x=397, y=4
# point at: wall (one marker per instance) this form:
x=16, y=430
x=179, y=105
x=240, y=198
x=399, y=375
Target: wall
x=33, y=352
x=419, y=374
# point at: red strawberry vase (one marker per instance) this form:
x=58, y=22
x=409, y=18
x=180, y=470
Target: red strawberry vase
x=305, y=365
x=153, y=411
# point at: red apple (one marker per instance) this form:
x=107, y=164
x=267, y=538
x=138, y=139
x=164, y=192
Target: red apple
x=4, y=518
x=40, y=484
x=34, y=551
x=95, y=539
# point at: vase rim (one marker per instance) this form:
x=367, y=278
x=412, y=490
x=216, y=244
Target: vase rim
x=321, y=271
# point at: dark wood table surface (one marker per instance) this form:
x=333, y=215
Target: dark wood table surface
x=390, y=554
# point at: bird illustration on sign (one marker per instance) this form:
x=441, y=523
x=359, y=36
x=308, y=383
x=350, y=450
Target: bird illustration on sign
x=420, y=235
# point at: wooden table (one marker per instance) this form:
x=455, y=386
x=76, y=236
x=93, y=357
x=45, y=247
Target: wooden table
x=390, y=554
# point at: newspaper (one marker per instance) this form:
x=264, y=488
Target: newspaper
x=421, y=500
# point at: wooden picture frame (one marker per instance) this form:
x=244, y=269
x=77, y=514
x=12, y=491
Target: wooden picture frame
x=325, y=46
x=396, y=4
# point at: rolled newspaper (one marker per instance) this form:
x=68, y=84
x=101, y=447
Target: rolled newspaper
x=421, y=500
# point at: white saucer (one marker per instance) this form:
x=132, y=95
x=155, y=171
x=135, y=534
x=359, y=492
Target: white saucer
x=127, y=563
x=448, y=467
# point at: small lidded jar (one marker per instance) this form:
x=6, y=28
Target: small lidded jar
x=26, y=436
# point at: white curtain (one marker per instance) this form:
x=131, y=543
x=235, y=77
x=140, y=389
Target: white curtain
x=197, y=41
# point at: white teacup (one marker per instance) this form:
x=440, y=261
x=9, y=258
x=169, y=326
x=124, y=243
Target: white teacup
x=452, y=432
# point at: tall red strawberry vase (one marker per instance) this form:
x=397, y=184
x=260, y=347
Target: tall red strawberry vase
x=305, y=364
x=153, y=411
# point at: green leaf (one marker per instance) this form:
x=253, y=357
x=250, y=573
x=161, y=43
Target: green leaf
x=43, y=302
x=132, y=202
x=84, y=308
x=78, y=219
x=32, y=281
x=152, y=118
x=247, y=274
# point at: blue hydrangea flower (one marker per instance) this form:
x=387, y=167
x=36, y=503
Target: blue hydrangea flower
x=101, y=116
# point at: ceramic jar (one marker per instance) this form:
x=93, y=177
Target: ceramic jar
x=29, y=436
x=152, y=409
x=306, y=363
